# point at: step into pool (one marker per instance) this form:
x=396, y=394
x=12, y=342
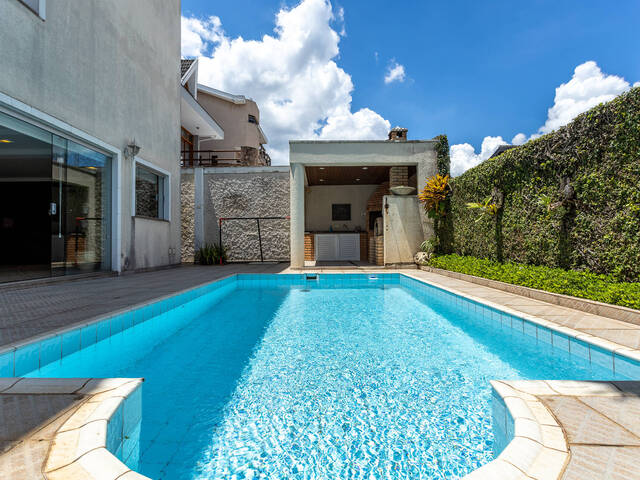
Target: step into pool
x=319, y=377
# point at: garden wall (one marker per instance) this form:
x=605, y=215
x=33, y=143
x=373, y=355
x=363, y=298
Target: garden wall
x=569, y=199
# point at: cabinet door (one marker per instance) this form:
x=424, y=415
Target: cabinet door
x=326, y=247
x=349, y=247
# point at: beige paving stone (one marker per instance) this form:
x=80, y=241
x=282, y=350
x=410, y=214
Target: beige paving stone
x=580, y=388
x=495, y=470
x=553, y=437
x=548, y=465
x=603, y=463
x=626, y=336
x=102, y=464
x=584, y=425
x=625, y=411
x=521, y=452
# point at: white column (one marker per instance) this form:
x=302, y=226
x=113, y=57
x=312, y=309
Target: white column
x=296, y=189
x=198, y=207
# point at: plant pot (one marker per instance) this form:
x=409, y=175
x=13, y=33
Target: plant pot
x=402, y=190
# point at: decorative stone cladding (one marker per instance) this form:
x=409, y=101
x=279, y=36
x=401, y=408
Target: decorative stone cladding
x=398, y=176
x=187, y=193
x=247, y=194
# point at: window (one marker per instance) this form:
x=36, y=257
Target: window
x=341, y=212
x=253, y=119
x=150, y=189
x=37, y=6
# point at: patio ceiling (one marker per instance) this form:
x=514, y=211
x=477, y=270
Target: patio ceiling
x=347, y=175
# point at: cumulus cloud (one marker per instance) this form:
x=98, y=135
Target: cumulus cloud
x=395, y=73
x=588, y=87
x=292, y=75
x=519, y=139
x=464, y=156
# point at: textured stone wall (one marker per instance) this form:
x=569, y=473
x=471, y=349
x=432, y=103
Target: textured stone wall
x=260, y=194
x=187, y=192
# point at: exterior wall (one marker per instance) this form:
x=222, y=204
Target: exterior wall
x=240, y=192
x=234, y=120
x=109, y=69
x=402, y=229
x=318, y=200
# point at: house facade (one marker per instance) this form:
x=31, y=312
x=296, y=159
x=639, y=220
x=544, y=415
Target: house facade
x=90, y=110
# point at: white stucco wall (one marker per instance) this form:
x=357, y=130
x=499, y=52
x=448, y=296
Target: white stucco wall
x=318, y=201
x=402, y=228
x=110, y=69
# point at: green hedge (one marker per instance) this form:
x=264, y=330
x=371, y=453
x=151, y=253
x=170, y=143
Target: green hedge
x=594, y=223
x=601, y=288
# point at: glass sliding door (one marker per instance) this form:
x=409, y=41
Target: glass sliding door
x=55, y=204
x=81, y=183
x=25, y=192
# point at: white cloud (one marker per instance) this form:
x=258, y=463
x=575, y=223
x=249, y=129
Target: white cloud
x=292, y=75
x=197, y=34
x=588, y=87
x=395, y=73
x=464, y=157
x=637, y=84
x=519, y=139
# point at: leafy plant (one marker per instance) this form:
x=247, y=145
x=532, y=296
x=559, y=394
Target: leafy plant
x=583, y=284
x=487, y=207
x=211, y=254
x=570, y=200
x=434, y=194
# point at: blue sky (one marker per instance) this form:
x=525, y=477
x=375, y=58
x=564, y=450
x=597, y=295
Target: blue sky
x=471, y=69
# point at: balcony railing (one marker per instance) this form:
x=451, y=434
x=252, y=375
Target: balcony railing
x=209, y=158
x=243, y=156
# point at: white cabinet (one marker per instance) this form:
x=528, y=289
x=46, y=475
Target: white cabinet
x=337, y=246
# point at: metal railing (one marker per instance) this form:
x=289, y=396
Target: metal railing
x=209, y=158
x=257, y=219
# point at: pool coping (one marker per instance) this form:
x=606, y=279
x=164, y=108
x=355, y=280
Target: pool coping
x=100, y=421
x=527, y=453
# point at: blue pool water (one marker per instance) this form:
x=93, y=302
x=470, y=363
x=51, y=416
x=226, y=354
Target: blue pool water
x=320, y=381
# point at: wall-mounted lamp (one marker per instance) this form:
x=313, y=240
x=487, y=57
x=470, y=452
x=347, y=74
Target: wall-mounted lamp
x=132, y=149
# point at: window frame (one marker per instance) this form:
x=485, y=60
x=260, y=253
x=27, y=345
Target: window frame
x=165, y=176
x=40, y=10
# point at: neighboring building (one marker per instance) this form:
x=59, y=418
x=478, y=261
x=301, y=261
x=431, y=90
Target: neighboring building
x=501, y=149
x=345, y=205
x=89, y=113
x=239, y=117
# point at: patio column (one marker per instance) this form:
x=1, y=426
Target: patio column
x=296, y=189
x=198, y=207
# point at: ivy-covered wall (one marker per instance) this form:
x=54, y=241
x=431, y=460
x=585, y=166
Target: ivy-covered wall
x=569, y=199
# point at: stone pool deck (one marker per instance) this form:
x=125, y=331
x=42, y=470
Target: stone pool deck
x=599, y=423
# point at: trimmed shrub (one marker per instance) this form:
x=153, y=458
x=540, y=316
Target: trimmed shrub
x=569, y=199
x=601, y=288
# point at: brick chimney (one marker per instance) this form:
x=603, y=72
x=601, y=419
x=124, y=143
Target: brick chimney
x=398, y=134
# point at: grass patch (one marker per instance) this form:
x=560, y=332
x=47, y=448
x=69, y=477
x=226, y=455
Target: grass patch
x=601, y=288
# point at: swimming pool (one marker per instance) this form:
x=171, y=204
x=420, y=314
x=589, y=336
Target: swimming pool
x=327, y=376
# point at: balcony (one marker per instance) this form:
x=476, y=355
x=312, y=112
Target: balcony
x=237, y=157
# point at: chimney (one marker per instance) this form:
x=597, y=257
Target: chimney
x=398, y=134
